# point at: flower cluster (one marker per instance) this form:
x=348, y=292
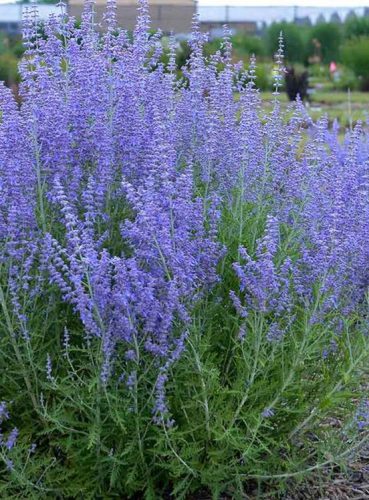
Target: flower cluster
x=114, y=171
x=362, y=415
x=7, y=442
x=265, y=286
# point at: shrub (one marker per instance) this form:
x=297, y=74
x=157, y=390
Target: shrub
x=296, y=84
x=16, y=47
x=182, y=54
x=8, y=68
x=329, y=37
x=263, y=73
x=245, y=46
x=346, y=80
x=355, y=55
x=183, y=278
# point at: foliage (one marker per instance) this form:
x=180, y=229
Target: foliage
x=329, y=37
x=8, y=68
x=183, y=53
x=2, y=43
x=11, y=49
x=16, y=47
x=357, y=27
x=296, y=84
x=184, y=275
x=246, y=45
x=346, y=80
x=355, y=55
x=264, y=76
x=294, y=41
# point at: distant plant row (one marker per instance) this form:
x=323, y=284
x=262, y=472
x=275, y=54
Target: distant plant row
x=313, y=46
x=322, y=43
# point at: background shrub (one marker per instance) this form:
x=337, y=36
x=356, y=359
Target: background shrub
x=355, y=55
x=245, y=46
x=9, y=68
x=329, y=36
x=357, y=27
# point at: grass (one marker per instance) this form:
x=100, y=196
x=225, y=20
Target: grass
x=347, y=108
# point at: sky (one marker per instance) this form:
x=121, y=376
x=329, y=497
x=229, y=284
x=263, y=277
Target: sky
x=305, y=3
x=270, y=3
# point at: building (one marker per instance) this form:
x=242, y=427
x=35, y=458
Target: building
x=11, y=15
x=246, y=17
x=168, y=15
x=176, y=15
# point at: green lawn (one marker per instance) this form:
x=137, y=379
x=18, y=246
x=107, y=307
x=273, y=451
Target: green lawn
x=346, y=107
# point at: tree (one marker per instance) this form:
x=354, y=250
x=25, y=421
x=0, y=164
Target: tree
x=357, y=27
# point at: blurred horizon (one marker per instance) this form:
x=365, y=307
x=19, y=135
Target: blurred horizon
x=288, y=3
x=269, y=14
x=270, y=3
